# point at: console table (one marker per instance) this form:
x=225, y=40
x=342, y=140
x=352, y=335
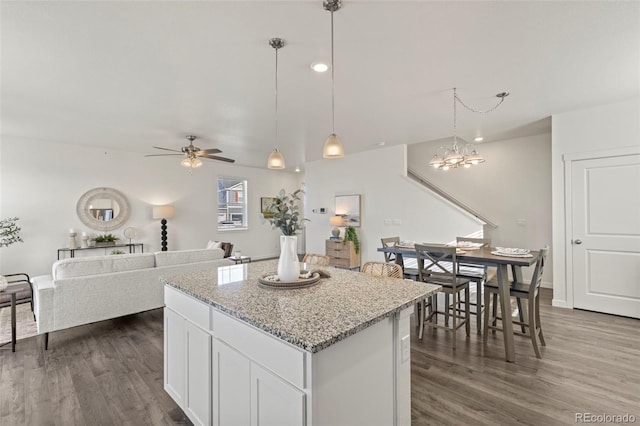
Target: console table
x=131, y=246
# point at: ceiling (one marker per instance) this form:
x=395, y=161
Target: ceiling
x=130, y=75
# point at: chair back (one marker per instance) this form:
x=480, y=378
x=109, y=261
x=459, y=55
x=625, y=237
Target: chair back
x=536, y=279
x=316, y=259
x=436, y=263
x=486, y=242
x=382, y=269
x=389, y=242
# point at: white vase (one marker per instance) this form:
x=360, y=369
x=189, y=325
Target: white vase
x=3, y=283
x=288, y=264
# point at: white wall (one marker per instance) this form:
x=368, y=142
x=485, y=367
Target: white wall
x=512, y=189
x=380, y=177
x=42, y=182
x=595, y=129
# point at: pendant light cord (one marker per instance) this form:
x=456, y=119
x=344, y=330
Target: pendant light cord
x=333, y=110
x=455, y=132
x=276, y=141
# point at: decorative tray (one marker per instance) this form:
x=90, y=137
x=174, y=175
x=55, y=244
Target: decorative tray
x=271, y=281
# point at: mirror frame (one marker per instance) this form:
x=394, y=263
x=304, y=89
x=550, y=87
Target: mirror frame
x=82, y=209
x=353, y=204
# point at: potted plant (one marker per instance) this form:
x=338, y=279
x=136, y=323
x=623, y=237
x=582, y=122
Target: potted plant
x=351, y=235
x=105, y=240
x=284, y=215
x=9, y=234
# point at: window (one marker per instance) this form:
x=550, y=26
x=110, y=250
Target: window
x=232, y=203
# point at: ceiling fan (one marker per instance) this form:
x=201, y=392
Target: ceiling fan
x=192, y=153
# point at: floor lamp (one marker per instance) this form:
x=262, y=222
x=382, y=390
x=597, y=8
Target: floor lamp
x=164, y=213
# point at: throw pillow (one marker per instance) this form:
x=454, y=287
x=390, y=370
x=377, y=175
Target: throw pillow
x=214, y=244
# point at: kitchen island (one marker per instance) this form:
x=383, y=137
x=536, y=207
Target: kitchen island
x=335, y=353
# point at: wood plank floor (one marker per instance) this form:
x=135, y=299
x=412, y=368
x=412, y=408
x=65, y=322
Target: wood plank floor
x=110, y=373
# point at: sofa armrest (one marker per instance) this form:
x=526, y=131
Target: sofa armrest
x=43, y=302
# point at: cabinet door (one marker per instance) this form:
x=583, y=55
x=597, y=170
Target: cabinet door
x=275, y=402
x=174, y=356
x=231, y=386
x=197, y=398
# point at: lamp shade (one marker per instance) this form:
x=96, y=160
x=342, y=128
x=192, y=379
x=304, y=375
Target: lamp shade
x=163, y=212
x=333, y=147
x=276, y=160
x=336, y=220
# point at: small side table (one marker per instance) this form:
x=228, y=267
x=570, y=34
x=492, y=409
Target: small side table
x=12, y=293
x=241, y=259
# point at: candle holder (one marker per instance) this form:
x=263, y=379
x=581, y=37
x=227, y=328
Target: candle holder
x=73, y=244
x=84, y=241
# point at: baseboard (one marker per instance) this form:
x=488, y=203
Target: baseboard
x=559, y=303
x=546, y=284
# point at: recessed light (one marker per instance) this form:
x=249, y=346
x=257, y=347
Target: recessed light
x=478, y=139
x=319, y=67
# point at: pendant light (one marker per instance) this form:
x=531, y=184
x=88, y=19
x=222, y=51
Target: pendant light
x=333, y=145
x=455, y=157
x=276, y=159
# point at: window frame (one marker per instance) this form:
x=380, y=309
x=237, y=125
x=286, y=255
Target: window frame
x=229, y=209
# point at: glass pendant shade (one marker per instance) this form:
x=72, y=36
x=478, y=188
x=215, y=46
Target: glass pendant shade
x=186, y=162
x=196, y=162
x=276, y=160
x=333, y=147
x=436, y=161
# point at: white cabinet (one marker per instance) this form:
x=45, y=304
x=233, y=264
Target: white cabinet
x=197, y=398
x=275, y=402
x=174, y=372
x=231, y=386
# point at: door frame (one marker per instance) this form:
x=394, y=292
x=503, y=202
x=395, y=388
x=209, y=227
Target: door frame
x=568, y=160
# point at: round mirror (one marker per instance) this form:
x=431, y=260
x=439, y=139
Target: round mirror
x=103, y=209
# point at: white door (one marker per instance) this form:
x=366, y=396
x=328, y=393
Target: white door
x=274, y=402
x=197, y=398
x=174, y=353
x=231, y=386
x=605, y=204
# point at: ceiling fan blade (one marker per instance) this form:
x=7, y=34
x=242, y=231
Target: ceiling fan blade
x=215, y=157
x=208, y=151
x=166, y=149
x=160, y=155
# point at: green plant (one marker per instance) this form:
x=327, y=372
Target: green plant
x=9, y=232
x=117, y=252
x=106, y=238
x=350, y=235
x=286, y=216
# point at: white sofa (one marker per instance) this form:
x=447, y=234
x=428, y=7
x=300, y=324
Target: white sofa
x=85, y=290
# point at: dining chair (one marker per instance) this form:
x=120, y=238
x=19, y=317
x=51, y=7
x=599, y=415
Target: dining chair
x=316, y=259
x=437, y=265
x=382, y=269
x=478, y=274
x=408, y=272
x=531, y=293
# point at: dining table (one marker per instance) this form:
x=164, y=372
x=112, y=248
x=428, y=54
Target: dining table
x=483, y=256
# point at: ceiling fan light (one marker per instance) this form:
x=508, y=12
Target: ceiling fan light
x=333, y=147
x=276, y=160
x=186, y=162
x=196, y=162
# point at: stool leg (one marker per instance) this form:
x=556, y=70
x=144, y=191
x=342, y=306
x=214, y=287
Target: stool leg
x=46, y=341
x=539, y=331
x=467, y=311
x=485, y=330
x=455, y=315
x=494, y=318
x=532, y=330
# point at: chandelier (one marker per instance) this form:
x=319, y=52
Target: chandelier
x=467, y=156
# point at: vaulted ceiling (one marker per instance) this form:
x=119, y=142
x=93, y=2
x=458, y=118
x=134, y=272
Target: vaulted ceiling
x=130, y=75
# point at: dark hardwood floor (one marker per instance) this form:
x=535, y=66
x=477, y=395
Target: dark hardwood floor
x=110, y=373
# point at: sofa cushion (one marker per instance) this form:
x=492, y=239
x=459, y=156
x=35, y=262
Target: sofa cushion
x=169, y=258
x=96, y=265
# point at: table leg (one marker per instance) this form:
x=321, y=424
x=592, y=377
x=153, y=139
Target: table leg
x=13, y=322
x=505, y=311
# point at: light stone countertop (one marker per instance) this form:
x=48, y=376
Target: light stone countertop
x=311, y=318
